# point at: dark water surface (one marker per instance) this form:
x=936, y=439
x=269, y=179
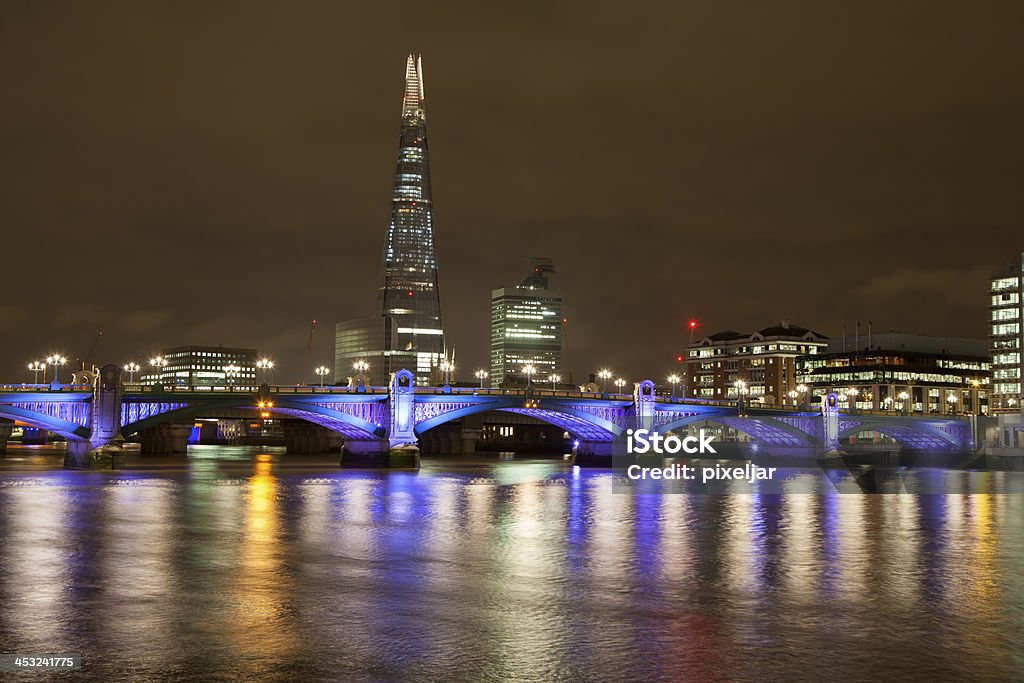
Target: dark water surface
x=232, y=565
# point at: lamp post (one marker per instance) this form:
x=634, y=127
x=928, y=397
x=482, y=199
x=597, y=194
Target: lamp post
x=604, y=375
x=158, y=363
x=322, y=371
x=887, y=402
x=447, y=367
x=360, y=366
x=266, y=366
x=56, y=360
x=131, y=368
x=481, y=375
x=952, y=399
x=852, y=392
x=555, y=379
x=37, y=367
x=529, y=371
x=741, y=390
x=903, y=396
x=975, y=397
x=801, y=389
x=620, y=383
x=674, y=380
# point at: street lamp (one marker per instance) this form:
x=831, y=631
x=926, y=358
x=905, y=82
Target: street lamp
x=265, y=365
x=792, y=395
x=903, y=396
x=158, y=363
x=37, y=367
x=620, y=383
x=952, y=399
x=529, y=371
x=555, y=379
x=605, y=375
x=888, y=400
x=56, y=360
x=674, y=379
x=481, y=375
x=801, y=389
x=741, y=390
x=323, y=370
x=131, y=368
x=447, y=367
x=360, y=366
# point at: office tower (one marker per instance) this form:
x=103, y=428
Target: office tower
x=1005, y=339
x=199, y=366
x=526, y=329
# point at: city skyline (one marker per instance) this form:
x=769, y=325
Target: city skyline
x=227, y=196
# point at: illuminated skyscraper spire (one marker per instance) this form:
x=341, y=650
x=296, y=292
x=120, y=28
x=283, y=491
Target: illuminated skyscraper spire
x=410, y=332
x=412, y=103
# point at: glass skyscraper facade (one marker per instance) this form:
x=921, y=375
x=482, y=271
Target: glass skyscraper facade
x=1005, y=338
x=405, y=331
x=526, y=329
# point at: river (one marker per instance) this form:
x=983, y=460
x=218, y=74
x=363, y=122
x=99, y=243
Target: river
x=232, y=564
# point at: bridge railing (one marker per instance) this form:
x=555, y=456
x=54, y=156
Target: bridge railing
x=244, y=389
x=44, y=387
x=534, y=391
x=291, y=389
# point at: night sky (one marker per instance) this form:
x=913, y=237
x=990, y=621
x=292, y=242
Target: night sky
x=220, y=173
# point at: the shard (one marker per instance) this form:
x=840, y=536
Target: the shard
x=405, y=330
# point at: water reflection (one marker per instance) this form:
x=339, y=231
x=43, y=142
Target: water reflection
x=232, y=568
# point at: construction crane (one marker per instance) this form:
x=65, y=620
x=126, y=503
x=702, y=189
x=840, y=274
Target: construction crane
x=92, y=349
x=309, y=350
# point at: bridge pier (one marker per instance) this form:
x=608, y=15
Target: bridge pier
x=165, y=438
x=81, y=455
x=379, y=453
x=5, y=433
x=593, y=454
x=308, y=439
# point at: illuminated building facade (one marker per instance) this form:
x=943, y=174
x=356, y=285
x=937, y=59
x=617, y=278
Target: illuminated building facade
x=405, y=331
x=526, y=329
x=1005, y=337
x=762, y=365
x=909, y=373
x=199, y=366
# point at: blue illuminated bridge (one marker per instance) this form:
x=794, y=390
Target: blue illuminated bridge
x=376, y=423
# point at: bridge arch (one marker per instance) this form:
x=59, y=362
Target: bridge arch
x=925, y=435
x=71, y=431
x=350, y=426
x=763, y=429
x=582, y=424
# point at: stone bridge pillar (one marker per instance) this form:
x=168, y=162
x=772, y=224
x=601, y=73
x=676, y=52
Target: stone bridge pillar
x=165, y=438
x=105, y=414
x=592, y=454
x=830, y=423
x=103, y=450
x=5, y=433
x=399, y=447
x=306, y=438
x=643, y=404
